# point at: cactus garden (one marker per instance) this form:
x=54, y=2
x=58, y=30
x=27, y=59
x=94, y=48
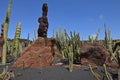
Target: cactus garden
x=64, y=56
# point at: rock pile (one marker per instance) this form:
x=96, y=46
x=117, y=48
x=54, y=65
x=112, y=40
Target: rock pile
x=93, y=53
x=38, y=54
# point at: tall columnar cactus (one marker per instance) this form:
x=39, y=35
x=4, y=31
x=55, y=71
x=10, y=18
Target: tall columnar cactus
x=95, y=74
x=116, y=57
x=5, y=32
x=35, y=32
x=28, y=38
x=106, y=37
x=17, y=39
x=97, y=34
x=107, y=74
x=75, y=41
x=108, y=41
x=70, y=58
x=63, y=41
x=60, y=41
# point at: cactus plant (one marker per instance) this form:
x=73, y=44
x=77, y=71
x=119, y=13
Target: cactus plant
x=35, y=32
x=108, y=39
x=5, y=26
x=108, y=76
x=63, y=42
x=108, y=42
x=95, y=74
x=91, y=38
x=117, y=59
x=17, y=40
x=5, y=70
x=97, y=34
x=70, y=58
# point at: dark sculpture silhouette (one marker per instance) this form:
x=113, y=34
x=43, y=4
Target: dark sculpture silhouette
x=43, y=26
x=1, y=41
x=2, y=30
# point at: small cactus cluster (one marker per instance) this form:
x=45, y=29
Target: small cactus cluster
x=114, y=53
x=5, y=70
x=98, y=76
x=108, y=42
x=91, y=39
x=68, y=46
x=6, y=74
x=107, y=74
x=95, y=74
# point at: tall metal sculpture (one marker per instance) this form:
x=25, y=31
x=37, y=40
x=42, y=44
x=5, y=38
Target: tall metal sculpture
x=43, y=26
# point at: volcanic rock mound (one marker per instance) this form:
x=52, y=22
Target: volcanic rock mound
x=38, y=54
x=93, y=53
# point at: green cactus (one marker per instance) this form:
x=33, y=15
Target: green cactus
x=117, y=59
x=108, y=76
x=17, y=40
x=28, y=38
x=5, y=36
x=108, y=42
x=95, y=74
x=5, y=70
x=9, y=48
x=108, y=39
x=97, y=34
x=91, y=39
x=70, y=58
x=35, y=32
x=63, y=41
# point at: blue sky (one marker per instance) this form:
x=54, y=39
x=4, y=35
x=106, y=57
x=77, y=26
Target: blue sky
x=83, y=16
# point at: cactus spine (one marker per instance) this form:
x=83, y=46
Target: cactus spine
x=5, y=32
x=17, y=39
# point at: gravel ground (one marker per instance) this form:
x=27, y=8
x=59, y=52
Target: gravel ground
x=56, y=73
